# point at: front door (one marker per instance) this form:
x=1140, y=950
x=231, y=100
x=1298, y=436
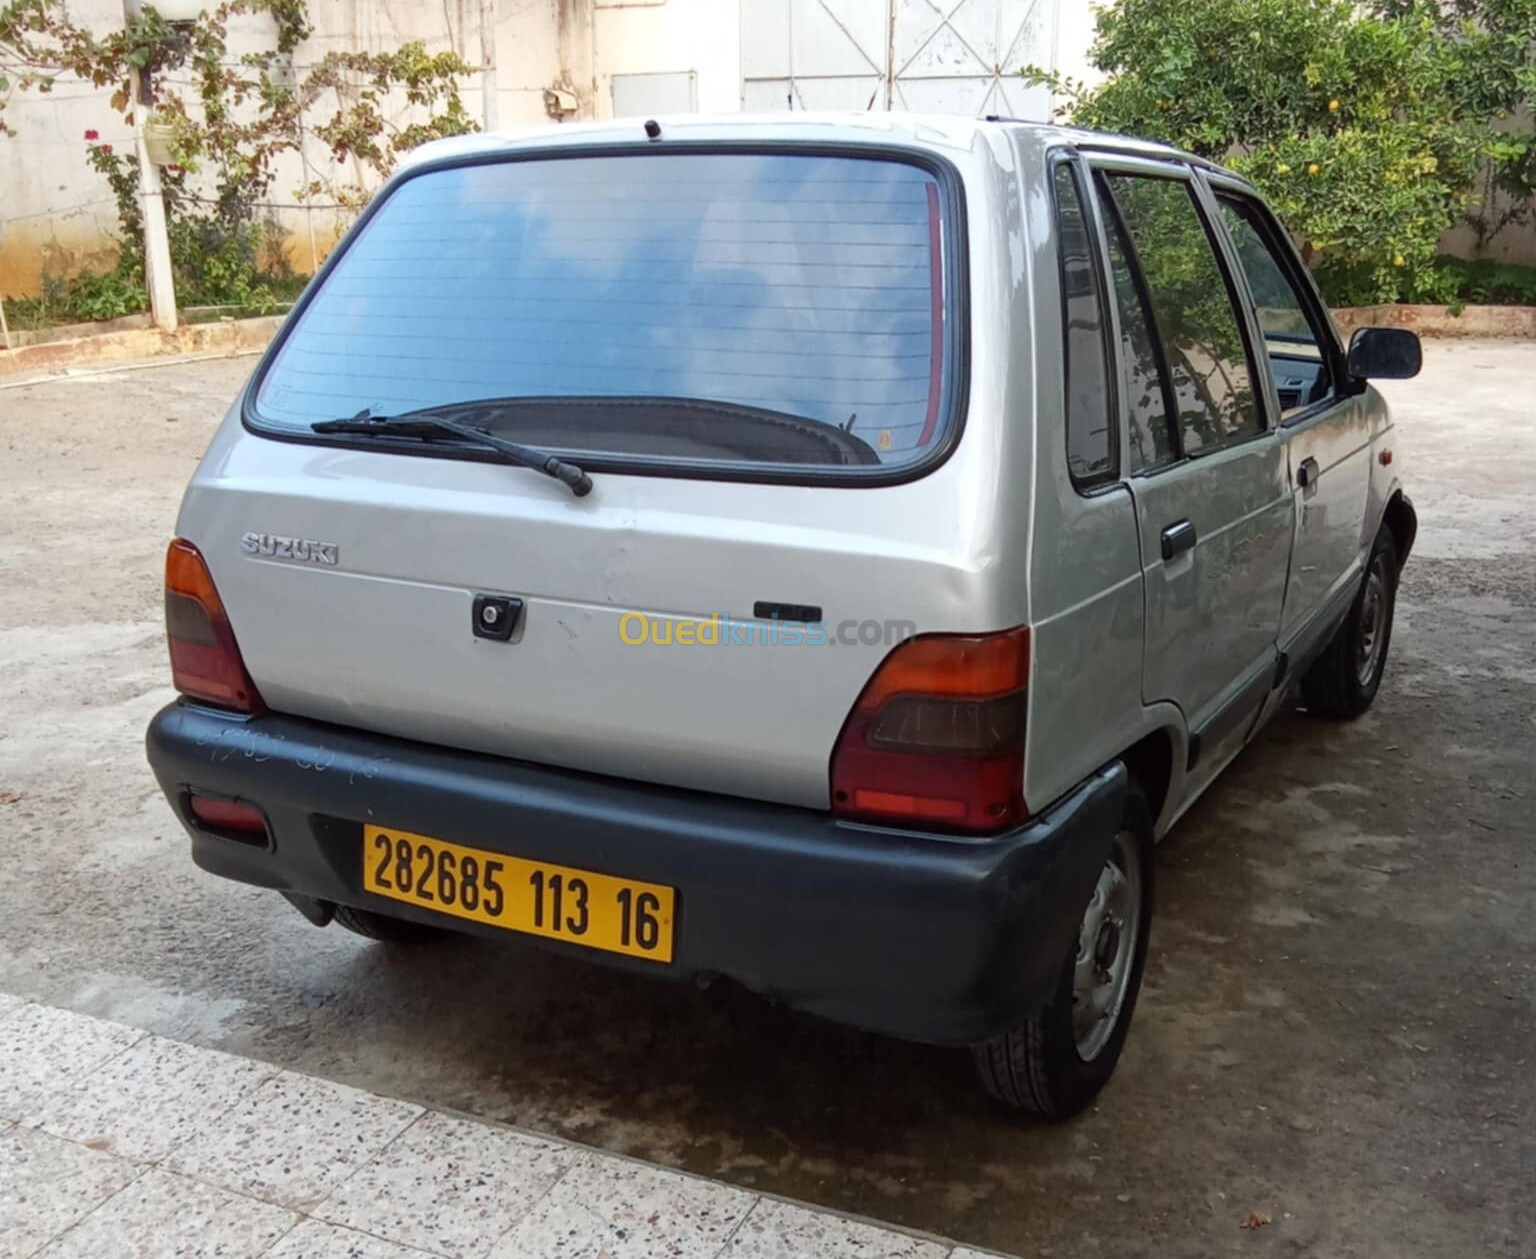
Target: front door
x=1326, y=432
x=1208, y=474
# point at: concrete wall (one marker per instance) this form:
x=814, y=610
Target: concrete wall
x=660, y=36
x=53, y=208
x=1516, y=244
x=57, y=216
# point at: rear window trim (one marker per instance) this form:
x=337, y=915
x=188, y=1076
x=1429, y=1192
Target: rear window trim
x=954, y=396
x=1068, y=159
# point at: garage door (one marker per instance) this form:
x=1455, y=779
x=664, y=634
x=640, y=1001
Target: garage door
x=934, y=56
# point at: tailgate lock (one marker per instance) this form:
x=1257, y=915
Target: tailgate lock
x=495, y=616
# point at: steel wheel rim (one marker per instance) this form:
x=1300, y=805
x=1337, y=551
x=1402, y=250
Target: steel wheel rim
x=1373, y=622
x=1106, y=948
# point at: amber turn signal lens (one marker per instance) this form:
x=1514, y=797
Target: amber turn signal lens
x=970, y=666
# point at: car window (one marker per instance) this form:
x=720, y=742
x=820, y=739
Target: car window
x=1142, y=383
x=1294, y=350
x=1090, y=450
x=800, y=297
x=1192, y=309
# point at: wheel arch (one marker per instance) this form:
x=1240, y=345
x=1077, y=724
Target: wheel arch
x=1154, y=761
x=1400, y=517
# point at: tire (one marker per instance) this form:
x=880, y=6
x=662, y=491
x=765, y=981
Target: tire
x=375, y=926
x=1344, y=680
x=1049, y=1065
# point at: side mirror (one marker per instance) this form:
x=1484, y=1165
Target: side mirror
x=1385, y=354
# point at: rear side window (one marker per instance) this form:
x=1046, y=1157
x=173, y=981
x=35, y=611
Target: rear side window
x=1192, y=309
x=1143, y=386
x=733, y=309
x=1090, y=451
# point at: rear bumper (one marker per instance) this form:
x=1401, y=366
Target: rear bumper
x=924, y=937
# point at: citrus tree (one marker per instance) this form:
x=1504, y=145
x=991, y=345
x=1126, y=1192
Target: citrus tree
x=1365, y=124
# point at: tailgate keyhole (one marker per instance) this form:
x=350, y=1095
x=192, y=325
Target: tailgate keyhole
x=495, y=617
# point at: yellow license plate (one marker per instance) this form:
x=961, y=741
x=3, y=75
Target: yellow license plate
x=577, y=906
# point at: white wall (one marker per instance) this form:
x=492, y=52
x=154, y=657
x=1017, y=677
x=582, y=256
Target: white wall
x=654, y=36
x=57, y=216
x=1074, y=36
x=898, y=54
x=53, y=208
x=540, y=44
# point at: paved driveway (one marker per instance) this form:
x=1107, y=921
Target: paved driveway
x=1339, y=1025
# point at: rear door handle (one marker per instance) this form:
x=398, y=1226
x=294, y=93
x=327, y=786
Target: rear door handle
x=1306, y=475
x=1178, y=538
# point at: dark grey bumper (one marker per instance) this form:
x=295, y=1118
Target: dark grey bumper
x=925, y=937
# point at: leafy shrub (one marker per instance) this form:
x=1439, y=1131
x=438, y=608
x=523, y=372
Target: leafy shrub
x=81, y=299
x=1484, y=283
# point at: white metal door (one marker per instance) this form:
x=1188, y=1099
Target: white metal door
x=933, y=56
x=645, y=95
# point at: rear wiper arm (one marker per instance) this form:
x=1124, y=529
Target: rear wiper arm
x=428, y=426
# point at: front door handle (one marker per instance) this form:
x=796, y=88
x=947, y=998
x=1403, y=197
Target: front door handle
x=1178, y=538
x=1306, y=475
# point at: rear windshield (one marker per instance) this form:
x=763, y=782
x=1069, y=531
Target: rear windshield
x=715, y=309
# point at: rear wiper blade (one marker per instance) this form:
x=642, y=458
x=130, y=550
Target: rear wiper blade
x=427, y=427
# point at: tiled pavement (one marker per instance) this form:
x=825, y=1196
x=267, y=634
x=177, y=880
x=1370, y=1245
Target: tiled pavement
x=118, y=1144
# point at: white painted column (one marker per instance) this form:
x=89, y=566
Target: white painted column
x=488, y=64
x=157, y=243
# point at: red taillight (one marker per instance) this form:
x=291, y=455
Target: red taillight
x=937, y=736
x=205, y=659
x=227, y=815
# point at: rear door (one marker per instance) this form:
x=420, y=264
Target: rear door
x=1207, y=472
x=1327, y=434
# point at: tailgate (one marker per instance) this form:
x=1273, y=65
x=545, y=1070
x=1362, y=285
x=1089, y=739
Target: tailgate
x=382, y=638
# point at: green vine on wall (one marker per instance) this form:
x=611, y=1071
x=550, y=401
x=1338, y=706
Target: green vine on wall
x=243, y=115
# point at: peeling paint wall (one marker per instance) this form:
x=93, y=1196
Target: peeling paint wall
x=673, y=36
x=540, y=44
x=54, y=210
x=57, y=216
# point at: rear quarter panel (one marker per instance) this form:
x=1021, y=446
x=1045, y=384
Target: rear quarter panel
x=1083, y=557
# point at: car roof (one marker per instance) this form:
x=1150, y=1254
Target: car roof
x=930, y=130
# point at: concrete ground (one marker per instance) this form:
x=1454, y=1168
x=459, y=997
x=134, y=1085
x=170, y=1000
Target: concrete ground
x=1338, y=1031
x=117, y=1142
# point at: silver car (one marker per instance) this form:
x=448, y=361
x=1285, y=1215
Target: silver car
x=824, y=552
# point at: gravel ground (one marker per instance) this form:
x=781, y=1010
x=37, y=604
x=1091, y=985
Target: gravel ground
x=1338, y=1031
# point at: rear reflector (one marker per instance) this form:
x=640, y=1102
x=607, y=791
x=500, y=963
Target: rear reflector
x=937, y=737
x=226, y=815
x=205, y=659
